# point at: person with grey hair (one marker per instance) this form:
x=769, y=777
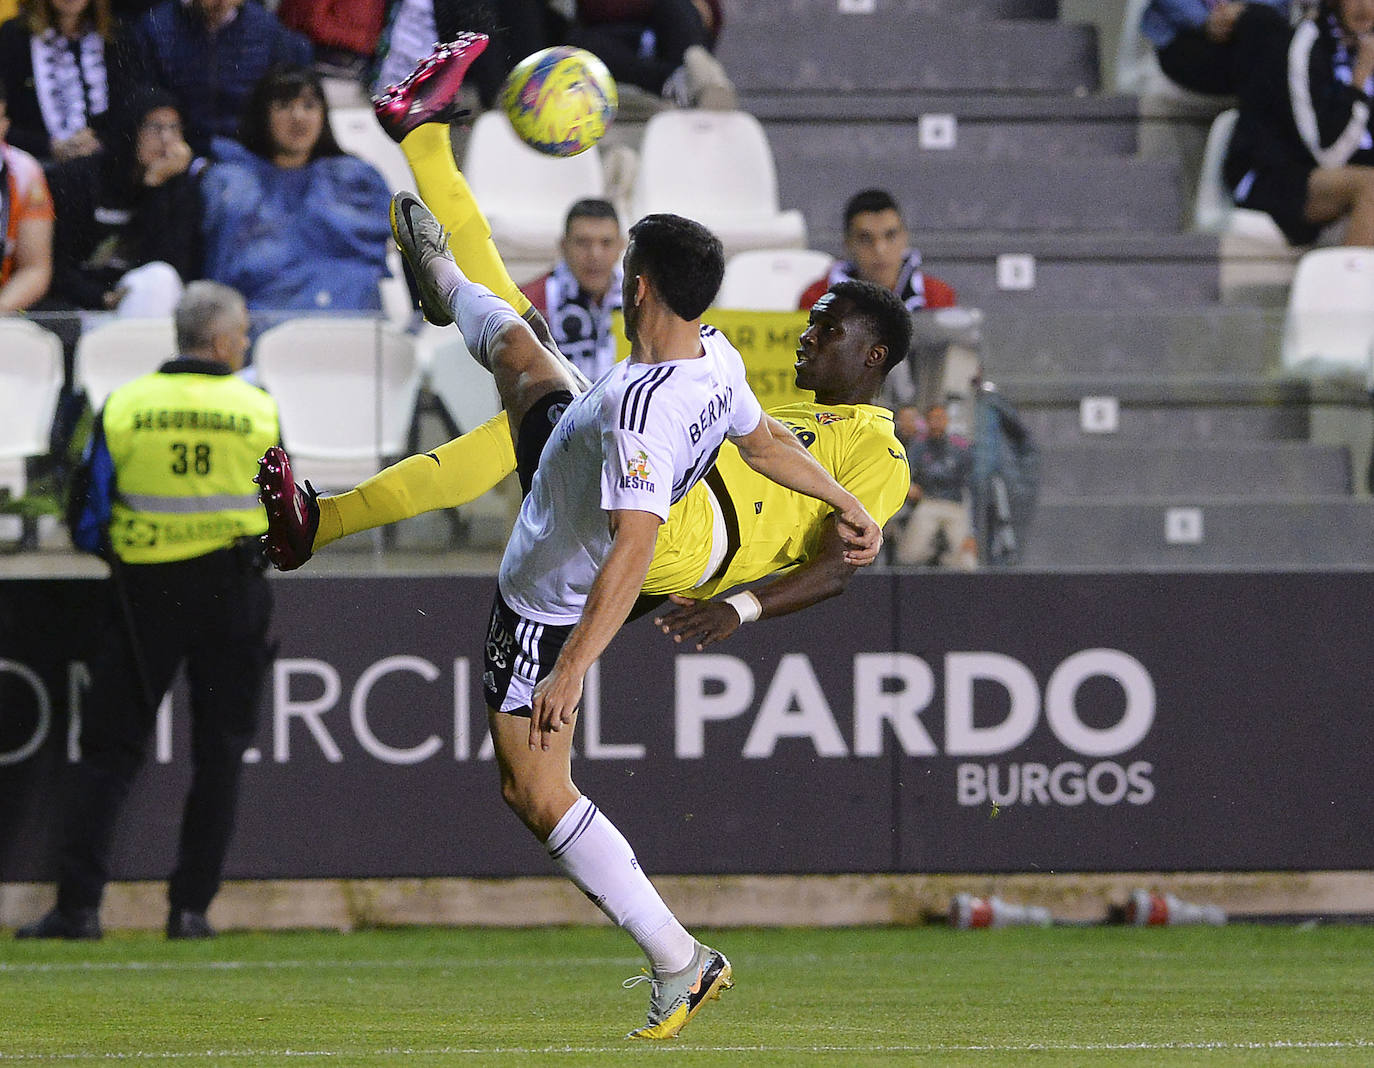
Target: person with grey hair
x=165, y=495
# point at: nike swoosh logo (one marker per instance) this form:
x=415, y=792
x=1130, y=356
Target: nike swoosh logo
x=406, y=207
x=695, y=988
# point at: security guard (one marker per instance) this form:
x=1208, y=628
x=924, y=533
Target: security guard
x=167, y=497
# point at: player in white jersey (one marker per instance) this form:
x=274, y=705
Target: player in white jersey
x=645, y=433
x=599, y=472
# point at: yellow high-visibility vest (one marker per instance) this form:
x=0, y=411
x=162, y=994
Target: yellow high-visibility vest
x=185, y=448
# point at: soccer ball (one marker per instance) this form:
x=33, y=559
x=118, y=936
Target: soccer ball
x=560, y=100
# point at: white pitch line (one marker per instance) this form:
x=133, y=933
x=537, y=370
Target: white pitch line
x=936, y=1048
x=231, y=965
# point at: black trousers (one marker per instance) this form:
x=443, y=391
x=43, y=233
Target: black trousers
x=1204, y=66
x=677, y=26
x=210, y=613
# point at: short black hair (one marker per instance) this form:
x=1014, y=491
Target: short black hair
x=277, y=85
x=869, y=200
x=885, y=312
x=684, y=261
x=591, y=208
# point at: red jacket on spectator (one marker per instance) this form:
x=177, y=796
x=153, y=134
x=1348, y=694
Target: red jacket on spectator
x=916, y=288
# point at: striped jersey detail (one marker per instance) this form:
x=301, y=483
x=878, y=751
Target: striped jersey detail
x=634, y=407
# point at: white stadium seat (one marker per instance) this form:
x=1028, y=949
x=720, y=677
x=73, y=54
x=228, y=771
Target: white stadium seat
x=1214, y=212
x=524, y=194
x=1328, y=330
x=346, y=388
x=120, y=350
x=30, y=379
x=715, y=167
x=770, y=279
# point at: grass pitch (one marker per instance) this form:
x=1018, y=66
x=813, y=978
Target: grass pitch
x=1234, y=995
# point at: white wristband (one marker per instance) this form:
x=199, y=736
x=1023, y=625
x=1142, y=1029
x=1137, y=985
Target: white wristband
x=746, y=605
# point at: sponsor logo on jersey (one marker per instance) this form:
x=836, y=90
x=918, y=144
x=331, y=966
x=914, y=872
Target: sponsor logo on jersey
x=637, y=474
x=826, y=418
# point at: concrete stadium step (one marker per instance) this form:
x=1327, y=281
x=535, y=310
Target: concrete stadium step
x=1218, y=469
x=869, y=125
x=1180, y=410
x=1053, y=425
x=937, y=192
x=816, y=48
x=973, y=10
x=1069, y=272
x=1133, y=341
x=1279, y=533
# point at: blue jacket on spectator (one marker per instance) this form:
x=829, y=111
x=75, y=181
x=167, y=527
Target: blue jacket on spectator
x=311, y=238
x=1164, y=18
x=212, y=73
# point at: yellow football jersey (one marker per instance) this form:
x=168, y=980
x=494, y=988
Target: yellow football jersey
x=780, y=528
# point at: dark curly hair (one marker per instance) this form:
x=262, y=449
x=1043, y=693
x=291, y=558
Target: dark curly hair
x=887, y=315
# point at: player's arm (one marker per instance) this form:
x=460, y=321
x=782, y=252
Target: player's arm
x=613, y=594
x=826, y=574
x=773, y=451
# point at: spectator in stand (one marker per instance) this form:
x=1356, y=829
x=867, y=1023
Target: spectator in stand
x=209, y=54
x=60, y=71
x=1209, y=46
x=879, y=250
x=26, y=217
x=1302, y=150
x=128, y=218
x=577, y=297
x=291, y=221
x=937, y=531
x=661, y=46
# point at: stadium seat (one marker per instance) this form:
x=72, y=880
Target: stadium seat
x=30, y=379
x=1214, y=212
x=715, y=167
x=1135, y=55
x=1328, y=330
x=357, y=131
x=346, y=388
x=358, y=134
x=119, y=351
x=770, y=279
x=1137, y=69
x=525, y=194
x=468, y=395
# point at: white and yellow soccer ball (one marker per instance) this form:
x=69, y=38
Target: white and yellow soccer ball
x=560, y=101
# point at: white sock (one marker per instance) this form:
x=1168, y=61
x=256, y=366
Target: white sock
x=479, y=313
x=594, y=855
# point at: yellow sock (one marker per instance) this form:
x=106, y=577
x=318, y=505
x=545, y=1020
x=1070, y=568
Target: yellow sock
x=455, y=473
x=443, y=188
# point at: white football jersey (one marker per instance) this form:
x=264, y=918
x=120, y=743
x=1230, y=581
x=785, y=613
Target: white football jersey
x=639, y=439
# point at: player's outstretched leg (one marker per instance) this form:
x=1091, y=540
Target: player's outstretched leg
x=427, y=93
x=417, y=113
x=675, y=999
x=498, y=338
x=293, y=516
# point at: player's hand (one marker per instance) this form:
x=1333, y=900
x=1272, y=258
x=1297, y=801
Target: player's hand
x=701, y=622
x=861, y=535
x=553, y=705
x=1221, y=21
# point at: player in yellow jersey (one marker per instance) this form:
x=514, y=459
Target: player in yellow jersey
x=734, y=528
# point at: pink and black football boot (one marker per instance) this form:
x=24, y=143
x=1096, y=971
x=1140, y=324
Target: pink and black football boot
x=427, y=93
x=293, y=517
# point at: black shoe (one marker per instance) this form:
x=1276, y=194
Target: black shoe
x=78, y=925
x=183, y=923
